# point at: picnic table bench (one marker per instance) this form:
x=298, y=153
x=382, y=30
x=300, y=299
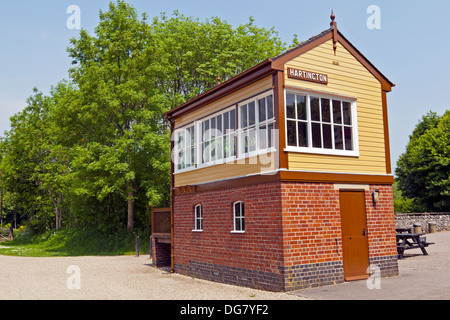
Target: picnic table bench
x=407, y=240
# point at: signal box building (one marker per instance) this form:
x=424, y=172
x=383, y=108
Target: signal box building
x=281, y=175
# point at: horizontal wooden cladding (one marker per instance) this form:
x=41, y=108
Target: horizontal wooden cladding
x=226, y=101
x=347, y=76
x=289, y=176
x=238, y=168
x=327, y=177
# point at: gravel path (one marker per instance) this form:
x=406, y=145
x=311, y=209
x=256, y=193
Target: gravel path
x=111, y=278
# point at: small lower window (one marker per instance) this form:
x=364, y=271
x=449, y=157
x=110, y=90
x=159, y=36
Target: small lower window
x=239, y=216
x=198, y=218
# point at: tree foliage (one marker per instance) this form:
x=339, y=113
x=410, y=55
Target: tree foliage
x=96, y=150
x=423, y=171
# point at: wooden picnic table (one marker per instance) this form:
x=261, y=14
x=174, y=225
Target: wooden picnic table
x=406, y=241
x=403, y=230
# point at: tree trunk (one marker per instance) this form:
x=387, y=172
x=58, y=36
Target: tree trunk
x=130, y=225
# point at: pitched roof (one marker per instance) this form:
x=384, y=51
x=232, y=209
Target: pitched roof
x=269, y=66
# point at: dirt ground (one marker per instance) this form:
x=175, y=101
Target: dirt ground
x=111, y=278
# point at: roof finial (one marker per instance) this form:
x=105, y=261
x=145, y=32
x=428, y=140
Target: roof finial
x=219, y=81
x=333, y=25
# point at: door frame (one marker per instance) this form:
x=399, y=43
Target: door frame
x=365, y=275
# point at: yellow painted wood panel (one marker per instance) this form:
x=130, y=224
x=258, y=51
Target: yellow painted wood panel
x=227, y=101
x=349, y=78
x=238, y=168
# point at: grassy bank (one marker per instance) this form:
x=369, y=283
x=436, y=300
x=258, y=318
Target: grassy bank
x=75, y=242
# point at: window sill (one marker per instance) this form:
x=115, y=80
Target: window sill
x=237, y=231
x=328, y=152
x=200, y=231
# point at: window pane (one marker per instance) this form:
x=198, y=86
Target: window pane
x=244, y=121
x=326, y=110
x=219, y=125
x=269, y=107
x=326, y=129
x=237, y=224
x=338, y=144
x=301, y=107
x=206, y=133
x=236, y=208
x=302, y=134
x=316, y=135
x=251, y=113
x=292, y=133
x=347, y=113
x=213, y=126
x=226, y=146
x=315, y=111
x=263, y=137
x=244, y=147
x=219, y=148
x=270, y=135
x=290, y=106
x=337, y=118
x=226, y=122
x=252, y=139
x=233, y=119
x=348, y=138
x=191, y=132
x=262, y=109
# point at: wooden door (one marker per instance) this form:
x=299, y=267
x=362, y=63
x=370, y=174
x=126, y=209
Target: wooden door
x=354, y=235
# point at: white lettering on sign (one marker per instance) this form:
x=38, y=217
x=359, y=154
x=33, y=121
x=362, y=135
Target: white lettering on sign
x=307, y=75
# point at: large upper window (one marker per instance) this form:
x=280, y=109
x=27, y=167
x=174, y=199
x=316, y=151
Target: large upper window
x=218, y=137
x=185, y=148
x=320, y=124
x=256, y=125
x=215, y=138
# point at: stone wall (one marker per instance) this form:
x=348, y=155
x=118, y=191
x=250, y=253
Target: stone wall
x=407, y=220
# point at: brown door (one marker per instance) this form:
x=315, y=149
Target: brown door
x=354, y=235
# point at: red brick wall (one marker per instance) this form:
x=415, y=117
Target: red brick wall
x=287, y=225
x=312, y=223
x=259, y=248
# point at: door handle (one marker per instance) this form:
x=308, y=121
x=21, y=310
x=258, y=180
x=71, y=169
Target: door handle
x=364, y=232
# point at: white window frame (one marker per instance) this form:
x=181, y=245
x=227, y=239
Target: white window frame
x=239, y=215
x=184, y=148
x=231, y=134
x=309, y=121
x=256, y=128
x=198, y=219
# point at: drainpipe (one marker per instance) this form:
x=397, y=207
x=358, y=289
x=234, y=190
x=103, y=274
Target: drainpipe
x=172, y=186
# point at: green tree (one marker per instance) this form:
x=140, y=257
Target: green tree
x=96, y=150
x=423, y=171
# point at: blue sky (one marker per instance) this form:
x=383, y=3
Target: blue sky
x=411, y=48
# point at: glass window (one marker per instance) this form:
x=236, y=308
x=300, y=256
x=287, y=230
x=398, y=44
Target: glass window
x=217, y=140
x=319, y=123
x=198, y=219
x=184, y=149
x=239, y=216
x=256, y=130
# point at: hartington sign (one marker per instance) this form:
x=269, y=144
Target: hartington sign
x=307, y=76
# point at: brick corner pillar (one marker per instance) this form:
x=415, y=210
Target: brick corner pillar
x=161, y=251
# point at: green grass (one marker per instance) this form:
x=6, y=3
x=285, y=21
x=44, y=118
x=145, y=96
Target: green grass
x=75, y=242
